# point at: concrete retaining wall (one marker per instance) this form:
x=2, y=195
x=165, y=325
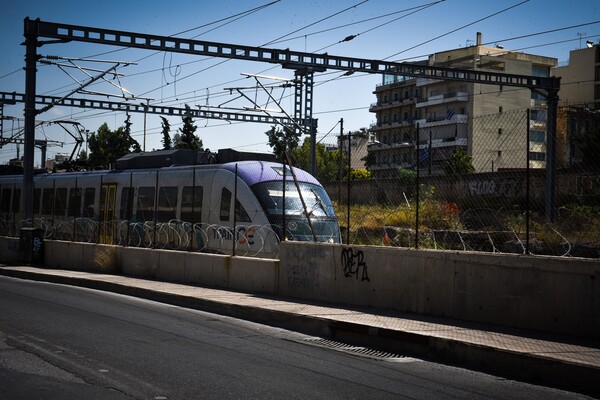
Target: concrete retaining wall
x=548, y=294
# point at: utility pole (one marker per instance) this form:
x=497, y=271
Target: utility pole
x=145, y=112
x=31, y=45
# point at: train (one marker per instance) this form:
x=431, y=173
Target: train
x=239, y=207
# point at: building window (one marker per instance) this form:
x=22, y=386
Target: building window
x=537, y=156
x=540, y=71
x=538, y=115
x=537, y=136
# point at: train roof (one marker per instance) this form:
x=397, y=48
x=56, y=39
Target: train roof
x=253, y=172
x=250, y=171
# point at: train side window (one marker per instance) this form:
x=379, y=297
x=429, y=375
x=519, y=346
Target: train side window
x=5, y=201
x=60, y=202
x=191, y=203
x=240, y=213
x=74, y=202
x=126, y=203
x=145, y=204
x=225, y=205
x=88, y=202
x=167, y=204
x=16, y=203
x=37, y=199
x=47, y=201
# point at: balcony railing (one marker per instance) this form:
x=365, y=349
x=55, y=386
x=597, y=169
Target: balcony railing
x=443, y=98
x=387, y=104
x=443, y=119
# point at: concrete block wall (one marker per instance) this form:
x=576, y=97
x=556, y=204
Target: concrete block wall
x=548, y=294
x=9, y=249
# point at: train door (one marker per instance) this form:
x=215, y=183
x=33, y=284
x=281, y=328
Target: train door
x=108, y=201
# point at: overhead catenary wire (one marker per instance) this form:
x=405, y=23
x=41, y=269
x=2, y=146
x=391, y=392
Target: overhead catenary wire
x=351, y=37
x=458, y=29
x=192, y=97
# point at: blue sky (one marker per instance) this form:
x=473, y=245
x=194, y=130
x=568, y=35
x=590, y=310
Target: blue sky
x=383, y=29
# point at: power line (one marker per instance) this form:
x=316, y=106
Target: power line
x=351, y=24
x=458, y=29
x=315, y=23
x=544, y=32
x=351, y=37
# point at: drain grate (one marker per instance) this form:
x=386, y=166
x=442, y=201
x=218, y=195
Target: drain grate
x=358, y=350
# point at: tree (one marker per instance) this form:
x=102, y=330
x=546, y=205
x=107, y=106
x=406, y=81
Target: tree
x=370, y=159
x=107, y=146
x=327, y=163
x=282, y=140
x=188, y=138
x=127, y=133
x=407, y=177
x=83, y=155
x=459, y=163
x=360, y=174
x=166, y=132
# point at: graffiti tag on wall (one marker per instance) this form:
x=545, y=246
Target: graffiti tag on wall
x=509, y=187
x=353, y=262
x=303, y=271
x=305, y=276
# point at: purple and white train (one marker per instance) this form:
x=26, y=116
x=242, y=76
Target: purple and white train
x=243, y=207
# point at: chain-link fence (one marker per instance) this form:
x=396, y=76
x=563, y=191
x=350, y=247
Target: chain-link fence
x=243, y=208
x=459, y=183
x=475, y=184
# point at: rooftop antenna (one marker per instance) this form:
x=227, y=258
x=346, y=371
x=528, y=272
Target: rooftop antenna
x=580, y=36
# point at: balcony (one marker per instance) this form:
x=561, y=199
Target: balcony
x=379, y=126
x=443, y=120
x=390, y=104
x=442, y=143
x=450, y=97
x=376, y=146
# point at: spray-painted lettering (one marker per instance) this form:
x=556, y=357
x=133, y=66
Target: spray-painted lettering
x=353, y=262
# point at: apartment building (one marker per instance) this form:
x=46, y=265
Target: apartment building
x=425, y=120
x=578, y=122
x=580, y=77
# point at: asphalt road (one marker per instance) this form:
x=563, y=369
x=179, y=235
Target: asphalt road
x=66, y=342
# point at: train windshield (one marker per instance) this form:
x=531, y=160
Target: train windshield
x=317, y=206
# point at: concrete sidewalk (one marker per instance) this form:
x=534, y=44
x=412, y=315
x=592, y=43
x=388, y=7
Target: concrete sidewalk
x=561, y=362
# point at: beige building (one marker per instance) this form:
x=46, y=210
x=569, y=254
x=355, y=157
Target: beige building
x=580, y=78
x=358, y=147
x=474, y=118
x=578, y=121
